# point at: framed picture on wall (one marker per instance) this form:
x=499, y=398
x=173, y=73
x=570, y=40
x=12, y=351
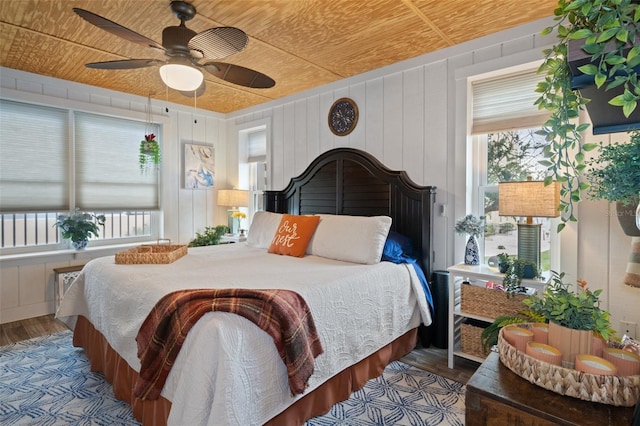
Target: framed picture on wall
x=199, y=166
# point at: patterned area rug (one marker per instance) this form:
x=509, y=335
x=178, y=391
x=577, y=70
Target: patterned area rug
x=46, y=381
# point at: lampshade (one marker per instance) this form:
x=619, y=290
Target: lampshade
x=233, y=198
x=181, y=76
x=529, y=198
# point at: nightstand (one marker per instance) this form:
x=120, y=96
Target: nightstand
x=232, y=238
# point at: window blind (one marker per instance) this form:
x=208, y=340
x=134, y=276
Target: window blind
x=34, y=158
x=507, y=103
x=257, y=147
x=108, y=176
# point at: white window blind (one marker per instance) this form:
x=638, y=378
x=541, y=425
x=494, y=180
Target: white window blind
x=257, y=147
x=507, y=103
x=108, y=176
x=34, y=158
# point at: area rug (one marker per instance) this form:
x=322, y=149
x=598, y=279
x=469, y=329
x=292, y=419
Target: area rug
x=46, y=381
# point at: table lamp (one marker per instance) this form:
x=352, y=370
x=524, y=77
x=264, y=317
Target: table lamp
x=529, y=199
x=233, y=198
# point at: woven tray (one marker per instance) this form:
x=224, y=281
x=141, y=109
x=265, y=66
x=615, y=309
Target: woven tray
x=612, y=390
x=151, y=254
x=489, y=302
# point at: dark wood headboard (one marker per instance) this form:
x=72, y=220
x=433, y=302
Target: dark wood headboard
x=349, y=181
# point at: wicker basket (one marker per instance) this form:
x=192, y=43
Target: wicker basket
x=470, y=341
x=489, y=302
x=612, y=390
x=151, y=254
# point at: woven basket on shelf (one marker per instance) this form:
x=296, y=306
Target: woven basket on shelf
x=151, y=254
x=470, y=341
x=489, y=302
x=612, y=390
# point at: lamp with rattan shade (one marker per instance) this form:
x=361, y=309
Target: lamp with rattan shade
x=529, y=199
x=233, y=198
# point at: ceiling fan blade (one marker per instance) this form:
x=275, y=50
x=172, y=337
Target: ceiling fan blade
x=195, y=93
x=116, y=29
x=239, y=75
x=220, y=42
x=125, y=64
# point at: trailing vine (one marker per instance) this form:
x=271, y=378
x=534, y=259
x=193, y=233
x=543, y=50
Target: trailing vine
x=609, y=28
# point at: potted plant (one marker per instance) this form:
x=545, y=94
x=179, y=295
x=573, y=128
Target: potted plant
x=503, y=262
x=517, y=269
x=149, y=152
x=79, y=226
x=606, y=31
x=474, y=227
x=614, y=176
x=574, y=317
x=210, y=236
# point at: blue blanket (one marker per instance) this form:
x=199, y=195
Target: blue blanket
x=397, y=249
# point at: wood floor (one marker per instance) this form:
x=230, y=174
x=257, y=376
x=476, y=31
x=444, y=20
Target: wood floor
x=431, y=359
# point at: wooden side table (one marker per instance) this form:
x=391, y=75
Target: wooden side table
x=63, y=278
x=497, y=396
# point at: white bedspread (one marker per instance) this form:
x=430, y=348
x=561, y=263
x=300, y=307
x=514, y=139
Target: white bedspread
x=229, y=372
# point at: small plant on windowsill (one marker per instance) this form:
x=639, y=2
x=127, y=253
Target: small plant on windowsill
x=149, y=153
x=503, y=262
x=79, y=226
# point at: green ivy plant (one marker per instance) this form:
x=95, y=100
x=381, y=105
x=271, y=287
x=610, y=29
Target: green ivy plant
x=211, y=236
x=149, y=152
x=579, y=311
x=608, y=28
x=614, y=175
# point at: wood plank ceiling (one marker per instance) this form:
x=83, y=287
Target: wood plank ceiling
x=301, y=44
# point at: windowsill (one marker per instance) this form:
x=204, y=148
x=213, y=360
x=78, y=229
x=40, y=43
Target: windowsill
x=67, y=254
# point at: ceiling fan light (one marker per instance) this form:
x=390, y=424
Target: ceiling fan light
x=184, y=78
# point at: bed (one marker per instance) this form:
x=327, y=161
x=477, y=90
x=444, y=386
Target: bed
x=229, y=371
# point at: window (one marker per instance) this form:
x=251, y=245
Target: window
x=505, y=147
x=253, y=165
x=53, y=160
x=508, y=156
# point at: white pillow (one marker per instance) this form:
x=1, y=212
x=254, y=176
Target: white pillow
x=357, y=239
x=263, y=227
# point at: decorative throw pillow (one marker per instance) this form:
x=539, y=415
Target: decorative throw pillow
x=356, y=239
x=263, y=227
x=293, y=235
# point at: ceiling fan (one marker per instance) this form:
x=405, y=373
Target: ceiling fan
x=187, y=52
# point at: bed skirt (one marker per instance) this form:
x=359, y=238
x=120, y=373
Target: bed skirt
x=122, y=377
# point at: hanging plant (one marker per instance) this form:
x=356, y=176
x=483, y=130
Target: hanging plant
x=149, y=152
x=609, y=29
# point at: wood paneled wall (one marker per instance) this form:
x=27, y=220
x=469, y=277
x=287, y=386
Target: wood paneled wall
x=413, y=117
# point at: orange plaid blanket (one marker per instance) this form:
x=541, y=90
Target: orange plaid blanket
x=283, y=314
